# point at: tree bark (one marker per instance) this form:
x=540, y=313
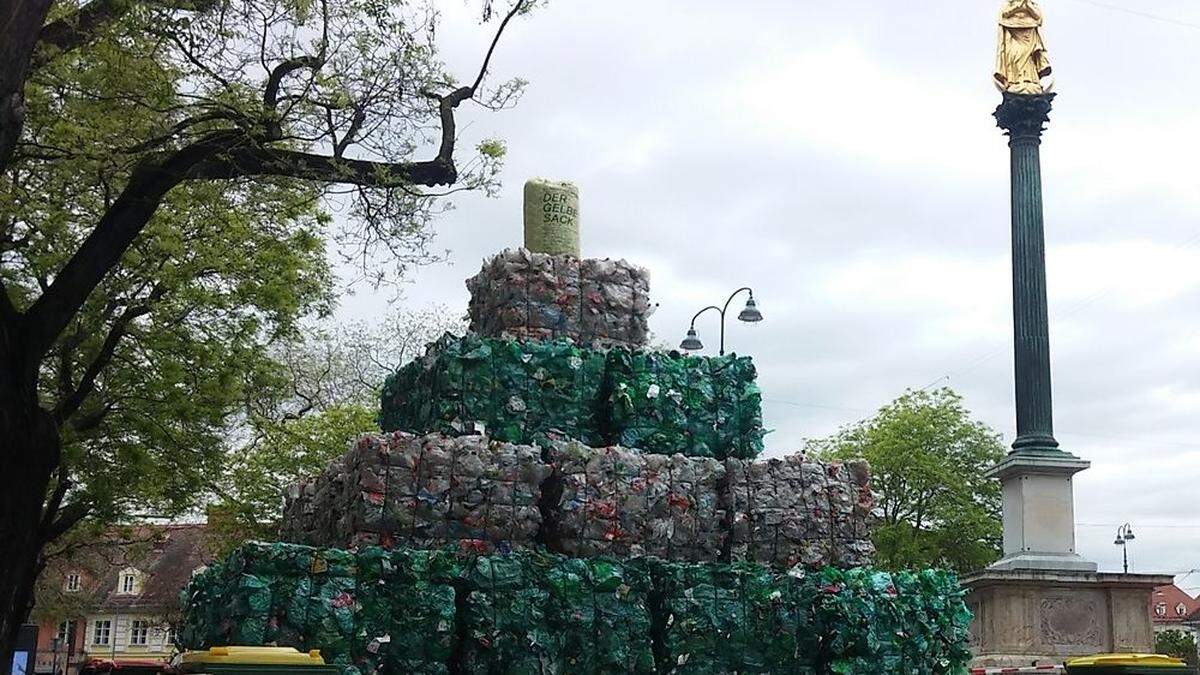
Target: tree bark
x=30, y=449
x=20, y=23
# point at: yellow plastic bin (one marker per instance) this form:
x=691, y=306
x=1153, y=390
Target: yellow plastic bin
x=255, y=661
x=1128, y=664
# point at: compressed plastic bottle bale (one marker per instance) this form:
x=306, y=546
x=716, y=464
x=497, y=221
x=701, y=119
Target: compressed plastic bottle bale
x=408, y=622
x=552, y=217
x=600, y=609
x=715, y=618
x=620, y=502
x=512, y=391
x=790, y=511
x=434, y=490
x=699, y=406
x=879, y=622
x=506, y=624
x=520, y=294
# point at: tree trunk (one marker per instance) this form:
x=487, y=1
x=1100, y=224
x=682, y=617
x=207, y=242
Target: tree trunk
x=20, y=23
x=30, y=450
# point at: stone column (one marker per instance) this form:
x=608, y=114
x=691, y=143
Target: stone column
x=1023, y=118
x=1039, y=512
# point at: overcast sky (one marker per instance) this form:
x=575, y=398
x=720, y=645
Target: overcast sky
x=840, y=157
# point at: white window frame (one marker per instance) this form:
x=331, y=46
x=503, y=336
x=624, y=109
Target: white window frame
x=1160, y=609
x=73, y=582
x=139, y=633
x=128, y=583
x=102, y=627
x=64, y=631
x=1181, y=610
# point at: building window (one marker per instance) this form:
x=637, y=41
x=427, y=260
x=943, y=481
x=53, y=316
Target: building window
x=1181, y=609
x=139, y=633
x=64, y=629
x=128, y=583
x=102, y=632
x=73, y=582
x=1160, y=609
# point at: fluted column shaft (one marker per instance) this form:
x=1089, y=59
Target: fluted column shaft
x=1023, y=117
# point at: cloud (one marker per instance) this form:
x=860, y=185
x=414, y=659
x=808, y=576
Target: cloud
x=841, y=159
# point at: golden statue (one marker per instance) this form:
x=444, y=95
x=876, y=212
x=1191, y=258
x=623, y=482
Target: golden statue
x=1021, y=60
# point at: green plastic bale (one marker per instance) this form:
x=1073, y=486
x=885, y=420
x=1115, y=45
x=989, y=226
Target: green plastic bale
x=526, y=391
x=408, y=611
x=201, y=601
x=515, y=391
x=713, y=618
x=332, y=618
x=666, y=402
x=600, y=610
x=899, y=623
x=507, y=627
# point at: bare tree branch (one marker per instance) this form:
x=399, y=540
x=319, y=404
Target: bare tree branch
x=69, y=405
x=516, y=9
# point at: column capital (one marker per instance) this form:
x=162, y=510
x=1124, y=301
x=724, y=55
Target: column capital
x=1024, y=116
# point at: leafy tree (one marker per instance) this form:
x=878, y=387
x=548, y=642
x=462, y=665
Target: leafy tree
x=928, y=459
x=165, y=168
x=326, y=393
x=1177, y=643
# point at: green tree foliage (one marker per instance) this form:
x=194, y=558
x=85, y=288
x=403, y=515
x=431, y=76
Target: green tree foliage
x=1177, y=643
x=166, y=170
x=323, y=392
x=928, y=459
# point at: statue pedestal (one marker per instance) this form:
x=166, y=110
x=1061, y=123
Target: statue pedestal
x=1042, y=603
x=1039, y=512
x=1027, y=617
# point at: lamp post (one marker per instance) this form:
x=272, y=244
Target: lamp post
x=1124, y=535
x=749, y=314
x=55, y=645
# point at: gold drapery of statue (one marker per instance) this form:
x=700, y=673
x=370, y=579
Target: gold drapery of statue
x=1021, y=60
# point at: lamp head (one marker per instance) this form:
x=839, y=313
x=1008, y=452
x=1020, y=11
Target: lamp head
x=1119, y=542
x=750, y=313
x=692, y=342
x=1129, y=534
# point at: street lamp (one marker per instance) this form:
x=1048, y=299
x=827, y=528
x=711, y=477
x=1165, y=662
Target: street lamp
x=55, y=645
x=1124, y=535
x=749, y=314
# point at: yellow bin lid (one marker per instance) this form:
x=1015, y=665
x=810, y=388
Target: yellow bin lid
x=1127, y=660
x=276, y=656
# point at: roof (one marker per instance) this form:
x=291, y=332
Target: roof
x=164, y=557
x=166, y=566
x=1166, y=602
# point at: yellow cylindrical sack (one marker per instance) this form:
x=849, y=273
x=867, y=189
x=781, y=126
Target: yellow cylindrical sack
x=552, y=217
